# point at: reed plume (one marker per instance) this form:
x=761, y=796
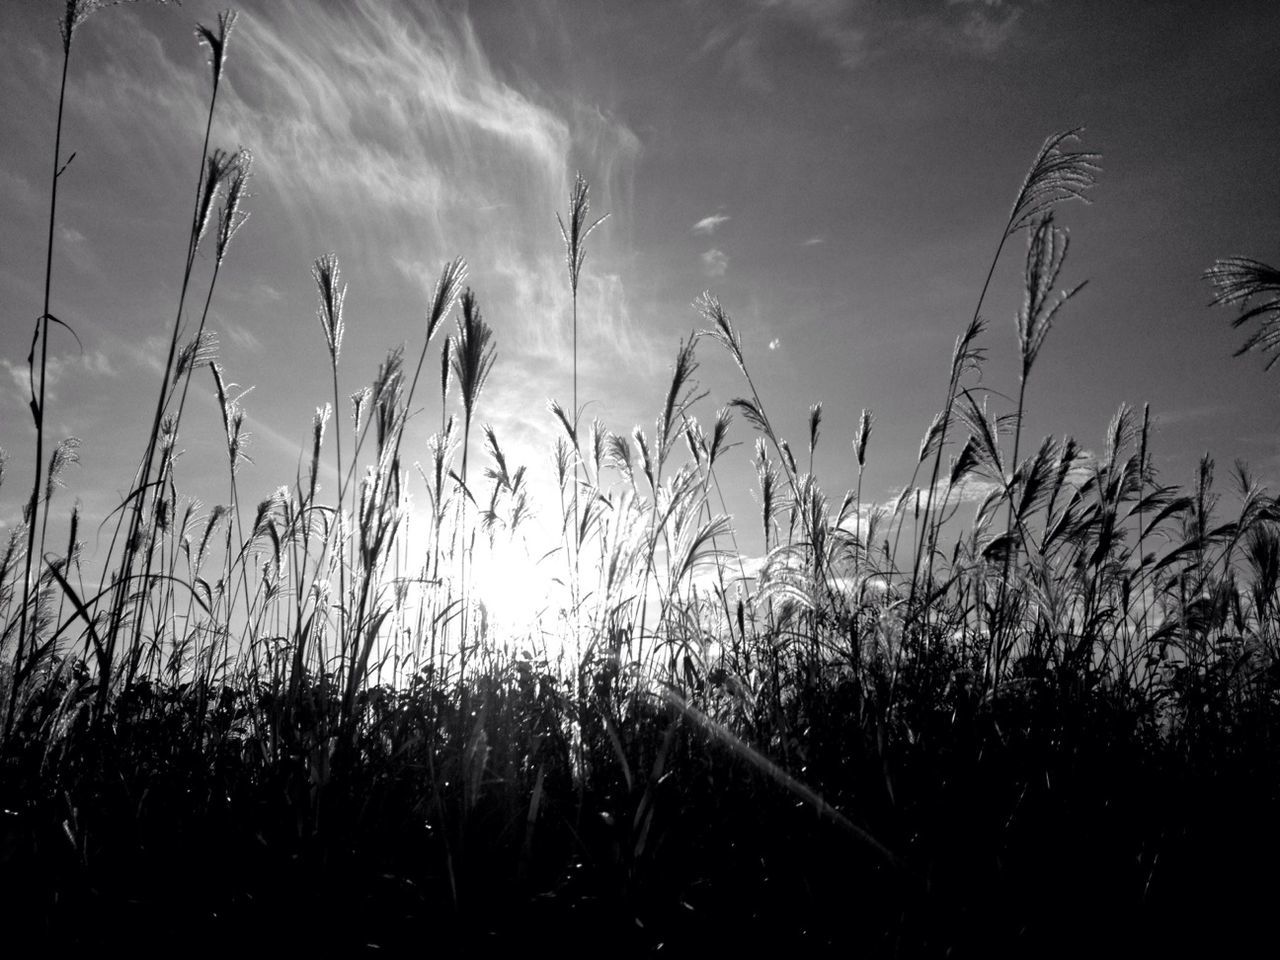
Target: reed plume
x=473, y=358
x=1240, y=280
x=574, y=234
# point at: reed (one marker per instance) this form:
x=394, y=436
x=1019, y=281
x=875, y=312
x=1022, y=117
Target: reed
x=284, y=710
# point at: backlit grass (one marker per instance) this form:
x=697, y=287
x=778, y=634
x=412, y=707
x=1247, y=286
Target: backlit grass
x=1049, y=727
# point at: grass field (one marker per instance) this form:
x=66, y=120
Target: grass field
x=1049, y=727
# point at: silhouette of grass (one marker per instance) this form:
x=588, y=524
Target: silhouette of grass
x=283, y=731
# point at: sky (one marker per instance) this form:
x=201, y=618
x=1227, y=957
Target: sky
x=837, y=172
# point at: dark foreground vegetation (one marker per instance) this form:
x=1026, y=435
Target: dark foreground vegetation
x=1051, y=730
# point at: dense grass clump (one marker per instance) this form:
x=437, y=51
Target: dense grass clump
x=1052, y=730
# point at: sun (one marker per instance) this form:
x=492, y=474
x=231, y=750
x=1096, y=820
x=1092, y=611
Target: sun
x=517, y=590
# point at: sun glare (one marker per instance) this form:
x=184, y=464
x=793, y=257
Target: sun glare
x=517, y=592
x=512, y=579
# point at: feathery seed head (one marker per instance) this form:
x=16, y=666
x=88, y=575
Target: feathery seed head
x=445, y=372
x=790, y=457
x=499, y=474
x=388, y=387
x=333, y=292
x=217, y=167
x=216, y=40
x=232, y=417
x=73, y=542
x=695, y=439
x=445, y=294
x=619, y=455
x=679, y=392
x=359, y=400
x=932, y=437
x=64, y=454
x=576, y=232
x=722, y=328
x=473, y=355
x=168, y=433
x=595, y=443
x=556, y=409
x=318, y=424
x=646, y=459
x=1055, y=175
x=964, y=463
x=199, y=350
x=1239, y=280
x=862, y=435
x=75, y=13
x=560, y=459
x=966, y=357
x=719, y=435
x=767, y=475
x=230, y=216
x=1046, y=251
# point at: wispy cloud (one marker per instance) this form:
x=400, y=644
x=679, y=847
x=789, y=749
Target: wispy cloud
x=288, y=447
x=75, y=247
x=708, y=225
x=986, y=25
x=149, y=354
x=970, y=490
x=833, y=21
x=856, y=32
x=1183, y=415
x=408, y=148
x=18, y=374
x=58, y=372
x=99, y=364
x=814, y=241
x=715, y=262
x=17, y=192
x=385, y=133
x=241, y=336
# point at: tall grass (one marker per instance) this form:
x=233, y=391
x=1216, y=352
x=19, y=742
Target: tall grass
x=299, y=717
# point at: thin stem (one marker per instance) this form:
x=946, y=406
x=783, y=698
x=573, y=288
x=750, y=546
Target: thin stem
x=38, y=405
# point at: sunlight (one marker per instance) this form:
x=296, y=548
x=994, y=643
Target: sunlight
x=511, y=577
x=517, y=592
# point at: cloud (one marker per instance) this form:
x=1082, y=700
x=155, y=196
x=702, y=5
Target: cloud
x=1191, y=414
x=75, y=247
x=708, y=225
x=832, y=21
x=411, y=122
x=386, y=133
x=743, y=59
x=970, y=489
x=99, y=364
x=856, y=32
x=18, y=374
x=715, y=262
x=17, y=190
x=294, y=447
x=241, y=336
x=988, y=25
x=149, y=354
x=814, y=241
x=58, y=370
x=407, y=147
x=447, y=159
